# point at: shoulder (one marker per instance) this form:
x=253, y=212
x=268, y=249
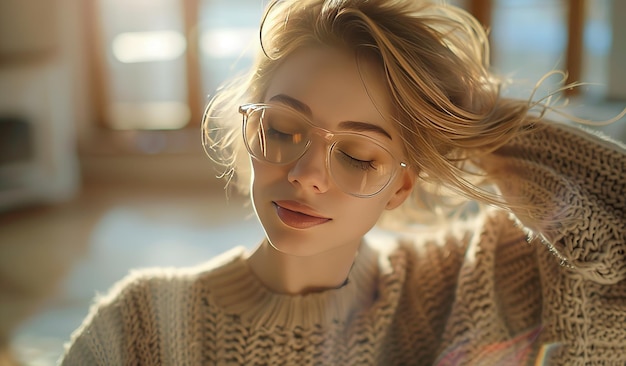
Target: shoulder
x=166, y=279
x=492, y=240
x=440, y=251
x=450, y=237
x=141, y=302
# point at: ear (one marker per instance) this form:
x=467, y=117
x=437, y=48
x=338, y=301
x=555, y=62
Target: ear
x=404, y=187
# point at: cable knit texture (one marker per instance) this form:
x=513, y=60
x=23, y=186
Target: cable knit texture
x=501, y=289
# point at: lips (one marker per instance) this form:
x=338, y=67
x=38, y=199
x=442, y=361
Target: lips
x=297, y=215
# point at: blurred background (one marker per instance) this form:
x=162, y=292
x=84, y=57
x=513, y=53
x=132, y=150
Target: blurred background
x=101, y=166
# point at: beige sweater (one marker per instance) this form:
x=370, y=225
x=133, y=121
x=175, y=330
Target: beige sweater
x=480, y=293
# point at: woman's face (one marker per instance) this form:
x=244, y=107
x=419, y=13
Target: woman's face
x=301, y=209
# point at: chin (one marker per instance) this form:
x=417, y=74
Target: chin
x=294, y=246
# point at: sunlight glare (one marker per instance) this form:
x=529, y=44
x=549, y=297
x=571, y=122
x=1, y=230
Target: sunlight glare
x=135, y=47
x=227, y=42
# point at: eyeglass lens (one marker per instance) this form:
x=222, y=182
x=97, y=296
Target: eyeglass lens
x=357, y=164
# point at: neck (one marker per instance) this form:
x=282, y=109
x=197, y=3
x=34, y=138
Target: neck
x=288, y=274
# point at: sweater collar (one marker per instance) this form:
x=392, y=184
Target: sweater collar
x=237, y=291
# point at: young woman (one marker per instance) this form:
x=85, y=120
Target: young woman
x=356, y=108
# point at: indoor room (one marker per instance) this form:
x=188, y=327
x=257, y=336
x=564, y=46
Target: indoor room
x=102, y=166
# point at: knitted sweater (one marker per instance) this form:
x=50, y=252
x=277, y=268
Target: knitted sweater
x=481, y=292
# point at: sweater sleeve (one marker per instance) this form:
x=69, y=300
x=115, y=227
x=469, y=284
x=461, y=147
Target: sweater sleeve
x=575, y=185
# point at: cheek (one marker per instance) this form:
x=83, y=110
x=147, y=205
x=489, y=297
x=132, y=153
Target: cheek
x=364, y=212
x=264, y=174
x=262, y=179
x=267, y=182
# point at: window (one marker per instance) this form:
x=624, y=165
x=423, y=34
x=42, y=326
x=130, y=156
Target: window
x=533, y=37
x=158, y=61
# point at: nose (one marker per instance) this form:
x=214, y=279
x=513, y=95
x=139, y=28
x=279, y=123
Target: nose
x=309, y=172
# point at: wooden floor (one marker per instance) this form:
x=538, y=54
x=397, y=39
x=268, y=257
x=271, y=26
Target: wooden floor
x=54, y=259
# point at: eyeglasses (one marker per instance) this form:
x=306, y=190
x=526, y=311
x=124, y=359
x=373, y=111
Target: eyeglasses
x=358, y=164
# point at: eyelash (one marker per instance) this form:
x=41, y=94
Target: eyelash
x=356, y=163
x=276, y=134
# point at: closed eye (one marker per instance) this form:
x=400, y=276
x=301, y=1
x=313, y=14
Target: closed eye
x=356, y=163
x=275, y=134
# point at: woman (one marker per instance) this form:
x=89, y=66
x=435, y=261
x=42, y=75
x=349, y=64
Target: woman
x=354, y=109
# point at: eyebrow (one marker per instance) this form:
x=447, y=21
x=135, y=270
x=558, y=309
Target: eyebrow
x=364, y=127
x=348, y=125
x=293, y=103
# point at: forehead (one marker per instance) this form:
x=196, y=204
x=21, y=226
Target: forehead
x=335, y=85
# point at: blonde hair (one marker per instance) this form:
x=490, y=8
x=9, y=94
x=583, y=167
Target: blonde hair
x=446, y=103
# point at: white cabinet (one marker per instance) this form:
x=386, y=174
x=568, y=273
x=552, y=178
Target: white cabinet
x=40, y=163
x=38, y=160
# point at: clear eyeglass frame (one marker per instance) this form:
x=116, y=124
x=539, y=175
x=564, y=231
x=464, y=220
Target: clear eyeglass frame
x=330, y=139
